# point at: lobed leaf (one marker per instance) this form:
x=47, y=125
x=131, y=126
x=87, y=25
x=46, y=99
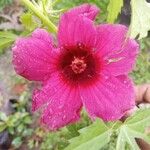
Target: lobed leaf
x=114, y=8
x=91, y=137
x=140, y=121
x=134, y=127
x=140, y=18
x=28, y=21
x=6, y=39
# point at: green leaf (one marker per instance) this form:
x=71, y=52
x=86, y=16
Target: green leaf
x=128, y=136
x=5, y=42
x=20, y=128
x=140, y=121
x=90, y=137
x=73, y=129
x=6, y=39
x=125, y=137
x=2, y=126
x=37, y=11
x=3, y=116
x=28, y=21
x=11, y=130
x=8, y=35
x=134, y=127
x=27, y=132
x=17, y=142
x=114, y=8
x=140, y=18
x=31, y=143
x=114, y=124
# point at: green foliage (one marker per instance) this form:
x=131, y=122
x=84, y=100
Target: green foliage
x=126, y=138
x=134, y=127
x=6, y=39
x=140, y=121
x=99, y=135
x=16, y=124
x=84, y=135
x=71, y=3
x=46, y=140
x=114, y=8
x=3, y=3
x=140, y=18
x=28, y=21
x=17, y=142
x=3, y=118
x=141, y=73
x=90, y=137
x=55, y=140
x=39, y=10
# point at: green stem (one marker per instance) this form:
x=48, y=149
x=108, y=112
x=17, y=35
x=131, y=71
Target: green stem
x=45, y=20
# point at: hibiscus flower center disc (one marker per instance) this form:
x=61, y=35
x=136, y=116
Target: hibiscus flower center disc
x=79, y=64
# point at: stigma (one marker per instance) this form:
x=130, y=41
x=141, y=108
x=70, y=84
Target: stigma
x=78, y=65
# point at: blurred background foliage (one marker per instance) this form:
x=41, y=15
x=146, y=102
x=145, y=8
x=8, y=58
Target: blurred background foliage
x=19, y=129
x=3, y=3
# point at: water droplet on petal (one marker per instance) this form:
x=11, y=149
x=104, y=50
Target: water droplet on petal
x=15, y=48
x=61, y=47
x=64, y=117
x=106, y=77
x=85, y=14
x=50, y=111
x=94, y=49
x=60, y=107
x=82, y=98
x=53, y=126
x=54, y=123
x=49, y=117
x=124, y=81
x=80, y=45
x=89, y=76
x=112, y=117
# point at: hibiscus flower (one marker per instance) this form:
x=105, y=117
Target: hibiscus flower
x=88, y=68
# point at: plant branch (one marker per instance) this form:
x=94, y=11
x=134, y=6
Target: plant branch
x=45, y=19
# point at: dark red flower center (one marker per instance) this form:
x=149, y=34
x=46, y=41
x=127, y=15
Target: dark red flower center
x=79, y=65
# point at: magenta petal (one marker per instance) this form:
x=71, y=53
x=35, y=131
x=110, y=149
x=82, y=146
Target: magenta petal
x=33, y=57
x=49, y=89
x=87, y=10
x=123, y=62
x=62, y=103
x=110, y=38
x=76, y=26
x=118, y=52
x=42, y=34
x=77, y=30
x=109, y=98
